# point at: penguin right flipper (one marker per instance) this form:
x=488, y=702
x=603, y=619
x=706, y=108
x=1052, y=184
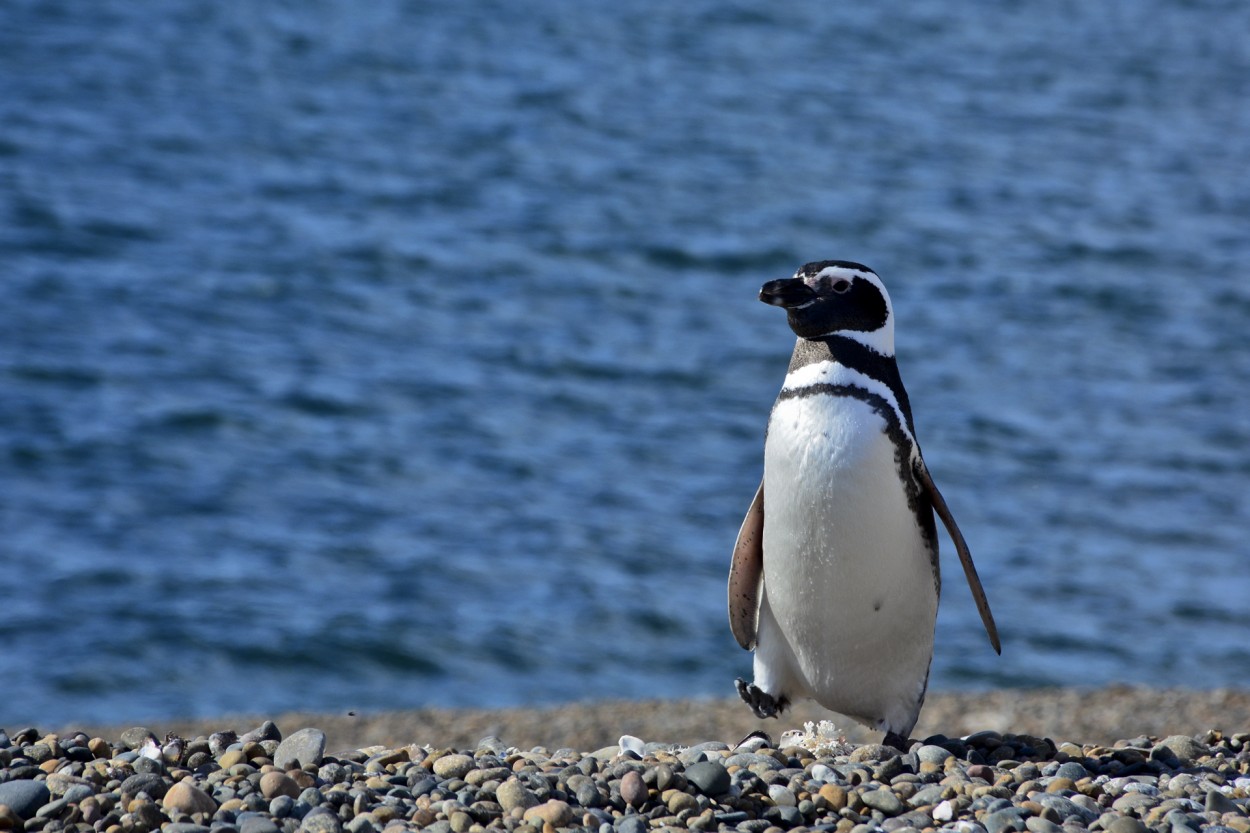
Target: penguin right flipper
x=965, y=556
x=746, y=572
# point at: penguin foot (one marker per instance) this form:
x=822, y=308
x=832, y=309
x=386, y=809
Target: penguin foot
x=761, y=702
x=896, y=740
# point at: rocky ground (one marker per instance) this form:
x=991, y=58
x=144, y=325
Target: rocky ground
x=1115, y=759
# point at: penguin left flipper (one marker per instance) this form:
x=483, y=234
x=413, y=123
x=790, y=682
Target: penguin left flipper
x=745, y=574
x=961, y=546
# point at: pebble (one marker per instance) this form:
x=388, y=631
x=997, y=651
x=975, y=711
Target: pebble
x=307, y=746
x=990, y=782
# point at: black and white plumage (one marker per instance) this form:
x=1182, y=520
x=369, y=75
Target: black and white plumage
x=835, y=578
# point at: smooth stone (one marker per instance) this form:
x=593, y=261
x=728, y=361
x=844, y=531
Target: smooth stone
x=1217, y=802
x=834, y=795
x=931, y=794
x=453, y=766
x=631, y=824
x=884, y=800
x=146, y=782
x=256, y=823
x=137, y=737
x=709, y=777
x=321, y=820
x=944, y=811
x=1066, y=808
x=1037, y=824
x=188, y=798
x=1010, y=818
x=782, y=796
x=1134, y=802
x=1185, y=748
x=677, y=801
x=555, y=812
x=633, y=789
x=265, y=731
x=282, y=806
x=512, y=794
x=52, y=808
x=307, y=746
x=1073, y=770
x=78, y=792
x=276, y=783
x=824, y=775
x=1125, y=824
x=933, y=754
x=184, y=827
x=873, y=753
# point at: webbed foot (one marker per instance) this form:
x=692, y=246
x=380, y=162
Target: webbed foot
x=761, y=702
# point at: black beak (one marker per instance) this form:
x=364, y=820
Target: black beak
x=788, y=293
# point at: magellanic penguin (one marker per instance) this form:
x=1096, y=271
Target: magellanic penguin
x=835, y=577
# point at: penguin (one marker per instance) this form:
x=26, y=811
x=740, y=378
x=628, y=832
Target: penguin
x=835, y=580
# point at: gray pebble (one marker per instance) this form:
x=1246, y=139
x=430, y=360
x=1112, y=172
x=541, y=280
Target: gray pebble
x=321, y=820
x=307, y=746
x=1072, y=770
x=631, y=824
x=884, y=800
x=183, y=827
x=933, y=754
x=24, y=797
x=709, y=777
x=137, y=737
x=147, y=782
x=256, y=823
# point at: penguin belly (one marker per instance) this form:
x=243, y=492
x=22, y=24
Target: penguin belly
x=849, y=595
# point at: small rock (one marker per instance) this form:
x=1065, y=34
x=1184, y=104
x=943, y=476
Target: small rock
x=146, y=782
x=933, y=754
x=1185, y=748
x=307, y=746
x=453, y=766
x=275, y=783
x=709, y=777
x=1217, y=802
x=512, y=794
x=1125, y=824
x=873, y=753
x=554, y=812
x=834, y=795
x=321, y=820
x=884, y=800
x=265, y=731
x=633, y=790
x=137, y=737
x=189, y=799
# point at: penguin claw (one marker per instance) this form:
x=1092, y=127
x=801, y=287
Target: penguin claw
x=896, y=740
x=761, y=702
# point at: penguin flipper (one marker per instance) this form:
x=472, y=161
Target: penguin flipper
x=745, y=574
x=965, y=557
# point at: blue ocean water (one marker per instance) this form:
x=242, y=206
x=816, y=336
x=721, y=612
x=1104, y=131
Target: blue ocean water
x=372, y=356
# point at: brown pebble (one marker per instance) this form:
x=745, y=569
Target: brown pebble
x=633, y=789
x=834, y=795
x=981, y=771
x=9, y=820
x=231, y=757
x=555, y=813
x=275, y=783
x=189, y=799
x=1061, y=784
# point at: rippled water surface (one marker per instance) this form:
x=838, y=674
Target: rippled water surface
x=369, y=356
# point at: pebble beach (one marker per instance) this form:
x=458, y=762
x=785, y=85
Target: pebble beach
x=1066, y=762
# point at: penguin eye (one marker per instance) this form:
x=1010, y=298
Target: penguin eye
x=841, y=286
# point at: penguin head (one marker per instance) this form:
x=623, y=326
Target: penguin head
x=831, y=297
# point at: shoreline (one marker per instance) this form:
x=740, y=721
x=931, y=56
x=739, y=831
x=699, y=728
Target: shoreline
x=1081, y=715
